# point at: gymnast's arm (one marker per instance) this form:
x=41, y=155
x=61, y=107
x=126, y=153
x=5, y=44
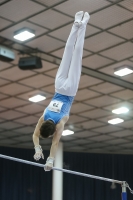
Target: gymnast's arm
x=56, y=138
x=36, y=134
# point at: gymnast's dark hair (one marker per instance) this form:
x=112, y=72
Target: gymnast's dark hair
x=47, y=129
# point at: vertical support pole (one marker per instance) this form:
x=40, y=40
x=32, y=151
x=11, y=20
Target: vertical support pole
x=57, y=189
x=124, y=193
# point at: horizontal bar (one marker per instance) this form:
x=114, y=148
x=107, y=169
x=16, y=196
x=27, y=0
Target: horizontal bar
x=62, y=170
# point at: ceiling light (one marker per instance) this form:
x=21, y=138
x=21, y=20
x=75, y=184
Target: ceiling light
x=67, y=132
x=24, y=34
x=37, y=98
x=115, y=121
x=120, y=110
x=123, y=71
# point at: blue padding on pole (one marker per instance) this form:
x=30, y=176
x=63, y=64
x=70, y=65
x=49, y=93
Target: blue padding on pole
x=124, y=196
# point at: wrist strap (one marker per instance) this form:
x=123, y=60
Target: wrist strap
x=38, y=148
x=50, y=160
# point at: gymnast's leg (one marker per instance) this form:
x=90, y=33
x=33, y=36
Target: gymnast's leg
x=74, y=74
x=63, y=70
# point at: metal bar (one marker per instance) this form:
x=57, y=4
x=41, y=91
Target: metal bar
x=62, y=170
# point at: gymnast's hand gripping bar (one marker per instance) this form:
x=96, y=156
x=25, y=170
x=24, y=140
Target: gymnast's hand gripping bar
x=123, y=183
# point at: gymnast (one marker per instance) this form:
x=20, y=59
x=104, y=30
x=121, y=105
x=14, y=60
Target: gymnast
x=56, y=114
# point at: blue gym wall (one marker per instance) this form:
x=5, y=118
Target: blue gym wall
x=25, y=182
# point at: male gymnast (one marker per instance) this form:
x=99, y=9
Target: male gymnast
x=56, y=114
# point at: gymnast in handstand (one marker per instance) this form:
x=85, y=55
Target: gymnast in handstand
x=56, y=114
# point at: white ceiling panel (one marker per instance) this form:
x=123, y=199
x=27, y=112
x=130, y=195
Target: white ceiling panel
x=19, y=74
x=52, y=73
x=3, y=82
x=101, y=138
x=128, y=145
x=116, y=141
x=128, y=78
x=110, y=69
x=12, y=102
x=85, y=134
x=4, y=65
x=113, y=116
x=26, y=96
x=124, y=94
x=106, y=88
x=113, y=148
x=7, y=141
x=45, y=103
x=81, y=142
x=102, y=101
x=91, y=124
x=110, y=16
x=28, y=120
x=10, y=125
x=64, y=32
x=80, y=107
x=25, y=138
x=3, y=96
x=96, y=145
x=127, y=4
x=2, y=109
x=96, y=61
x=92, y=114
x=126, y=124
x=75, y=119
x=87, y=81
x=119, y=52
x=8, y=134
x=22, y=9
x=25, y=130
x=107, y=129
x=125, y=30
x=49, y=89
x=76, y=148
x=68, y=138
x=73, y=6
x=124, y=133
x=130, y=137
x=9, y=33
x=4, y=23
x=37, y=81
x=31, y=109
x=1, y=137
x=101, y=41
x=49, y=2
x=51, y=19
x=46, y=66
x=11, y=114
x=85, y=94
x=48, y=44
x=121, y=104
x=86, y=53
x=14, y=89
x=47, y=141
x=59, y=53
